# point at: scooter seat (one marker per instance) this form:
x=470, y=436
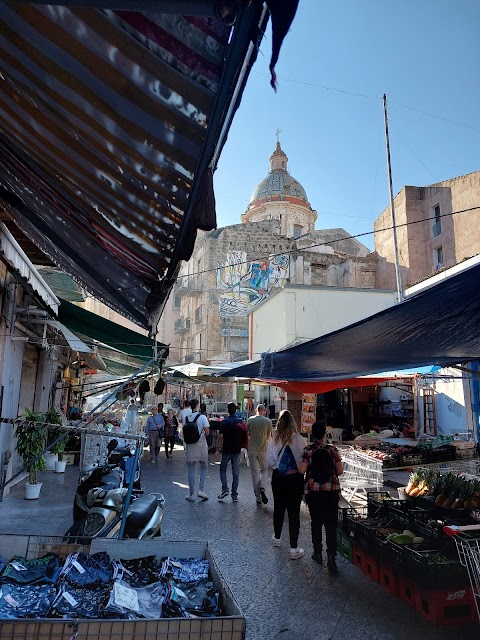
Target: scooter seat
x=140, y=511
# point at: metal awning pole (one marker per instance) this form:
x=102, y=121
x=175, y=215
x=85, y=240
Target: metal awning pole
x=392, y=204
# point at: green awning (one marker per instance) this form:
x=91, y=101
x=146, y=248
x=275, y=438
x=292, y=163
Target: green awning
x=91, y=326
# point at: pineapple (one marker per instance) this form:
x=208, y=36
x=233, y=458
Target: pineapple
x=472, y=501
x=445, y=486
x=465, y=492
x=413, y=483
x=455, y=489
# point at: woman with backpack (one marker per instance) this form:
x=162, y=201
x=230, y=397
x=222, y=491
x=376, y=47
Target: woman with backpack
x=284, y=454
x=322, y=464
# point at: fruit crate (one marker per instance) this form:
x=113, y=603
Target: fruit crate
x=347, y=516
x=344, y=545
x=442, y=454
x=412, y=459
x=434, y=570
x=376, y=501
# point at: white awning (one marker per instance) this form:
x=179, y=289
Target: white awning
x=14, y=256
x=73, y=342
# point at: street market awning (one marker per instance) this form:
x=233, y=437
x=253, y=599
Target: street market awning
x=440, y=325
x=111, y=125
x=93, y=327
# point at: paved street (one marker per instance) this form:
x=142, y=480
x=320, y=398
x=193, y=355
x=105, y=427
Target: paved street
x=280, y=598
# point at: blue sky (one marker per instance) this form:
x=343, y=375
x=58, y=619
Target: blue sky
x=423, y=54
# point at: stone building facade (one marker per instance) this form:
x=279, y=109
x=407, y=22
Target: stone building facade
x=235, y=268
x=430, y=238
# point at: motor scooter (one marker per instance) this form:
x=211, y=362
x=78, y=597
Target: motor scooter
x=100, y=497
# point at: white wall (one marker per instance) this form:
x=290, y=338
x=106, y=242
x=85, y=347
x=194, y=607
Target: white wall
x=299, y=313
x=452, y=408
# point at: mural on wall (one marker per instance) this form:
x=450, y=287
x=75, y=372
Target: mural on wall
x=245, y=284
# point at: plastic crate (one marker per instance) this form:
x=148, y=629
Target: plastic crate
x=375, y=501
x=388, y=579
x=344, y=545
x=412, y=459
x=347, y=516
x=429, y=574
x=358, y=557
x=371, y=567
x=442, y=454
x=407, y=591
x=446, y=606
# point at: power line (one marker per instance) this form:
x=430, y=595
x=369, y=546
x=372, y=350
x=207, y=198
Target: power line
x=373, y=97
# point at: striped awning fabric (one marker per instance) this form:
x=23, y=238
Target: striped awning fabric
x=103, y=120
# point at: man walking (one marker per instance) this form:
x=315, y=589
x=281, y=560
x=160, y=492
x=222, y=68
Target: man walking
x=231, y=436
x=260, y=430
x=195, y=432
x=186, y=411
x=154, y=429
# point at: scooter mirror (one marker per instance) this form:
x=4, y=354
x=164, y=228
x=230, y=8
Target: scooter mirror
x=112, y=445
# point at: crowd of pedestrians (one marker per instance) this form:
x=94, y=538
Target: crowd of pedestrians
x=300, y=471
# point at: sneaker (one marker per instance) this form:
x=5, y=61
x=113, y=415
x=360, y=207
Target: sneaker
x=234, y=499
x=202, y=495
x=153, y=460
x=276, y=541
x=190, y=498
x=263, y=496
x=317, y=557
x=297, y=553
x=223, y=495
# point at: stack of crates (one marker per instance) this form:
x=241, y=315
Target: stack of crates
x=428, y=577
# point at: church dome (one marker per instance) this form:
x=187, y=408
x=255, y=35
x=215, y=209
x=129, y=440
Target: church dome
x=279, y=184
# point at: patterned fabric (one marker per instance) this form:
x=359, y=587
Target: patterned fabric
x=43, y=570
x=137, y=573
x=80, y=602
x=25, y=601
x=97, y=570
x=184, y=570
x=310, y=484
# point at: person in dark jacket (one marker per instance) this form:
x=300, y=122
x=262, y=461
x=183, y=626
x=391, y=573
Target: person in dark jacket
x=171, y=426
x=231, y=436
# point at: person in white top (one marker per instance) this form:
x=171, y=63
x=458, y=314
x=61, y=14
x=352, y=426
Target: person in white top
x=284, y=454
x=182, y=413
x=197, y=452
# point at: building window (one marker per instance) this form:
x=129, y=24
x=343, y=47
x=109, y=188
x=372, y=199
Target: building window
x=297, y=230
x=177, y=302
x=438, y=257
x=437, y=221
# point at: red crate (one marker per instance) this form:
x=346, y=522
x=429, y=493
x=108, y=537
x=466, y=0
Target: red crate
x=446, y=606
x=407, y=591
x=388, y=579
x=370, y=567
x=358, y=556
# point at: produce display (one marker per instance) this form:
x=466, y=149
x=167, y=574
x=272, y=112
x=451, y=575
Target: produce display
x=392, y=455
x=402, y=544
x=94, y=587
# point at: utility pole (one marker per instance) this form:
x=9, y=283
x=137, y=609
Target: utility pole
x=392, y=205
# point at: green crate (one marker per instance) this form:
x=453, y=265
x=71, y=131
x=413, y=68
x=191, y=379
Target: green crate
x=344, y=545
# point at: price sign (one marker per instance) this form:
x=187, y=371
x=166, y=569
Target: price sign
x=125, y=597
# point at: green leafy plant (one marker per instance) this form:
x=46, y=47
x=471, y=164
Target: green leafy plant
x=53, y=417
x=31, y=436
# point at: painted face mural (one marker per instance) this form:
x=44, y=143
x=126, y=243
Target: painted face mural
x=245, y=284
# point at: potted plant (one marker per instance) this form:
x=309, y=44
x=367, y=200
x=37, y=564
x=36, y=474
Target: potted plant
x=31, y=434
x=60, y=464
x=54, y=452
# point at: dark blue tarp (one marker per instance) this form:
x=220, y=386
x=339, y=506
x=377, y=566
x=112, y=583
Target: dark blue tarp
x=440, y=325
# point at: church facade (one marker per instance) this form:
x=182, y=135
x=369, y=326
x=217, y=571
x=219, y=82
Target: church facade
x=235, y=268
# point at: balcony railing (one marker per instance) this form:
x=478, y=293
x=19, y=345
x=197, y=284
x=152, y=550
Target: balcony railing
x=181, y=325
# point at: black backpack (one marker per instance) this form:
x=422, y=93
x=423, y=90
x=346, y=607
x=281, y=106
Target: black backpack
x=191, y=433
x=322, y=467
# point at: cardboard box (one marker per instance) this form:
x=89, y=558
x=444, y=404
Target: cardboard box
x=228, y=627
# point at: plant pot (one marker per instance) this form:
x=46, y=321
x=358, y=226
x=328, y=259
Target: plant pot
x=32, y=491
x=60, y=466
x=50, y=460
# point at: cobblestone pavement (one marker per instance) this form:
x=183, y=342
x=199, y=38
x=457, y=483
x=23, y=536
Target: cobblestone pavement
x=281, y=598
